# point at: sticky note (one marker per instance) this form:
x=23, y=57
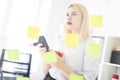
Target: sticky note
x=50, y=57
x=72, y=40
x=96, y=21
x=75, y=77
x=33, y=32
x=94, y=49
x=22, y=78
x=12, y=54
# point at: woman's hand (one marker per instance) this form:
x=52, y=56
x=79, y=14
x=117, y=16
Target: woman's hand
x=60, y=64
x=46, y=67
x=41, y=49
x=60, y=61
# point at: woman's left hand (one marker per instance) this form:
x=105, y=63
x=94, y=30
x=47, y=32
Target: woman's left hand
x=60, y=64
x=60, y=61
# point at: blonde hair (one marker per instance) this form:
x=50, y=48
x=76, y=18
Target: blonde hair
x=84, y=32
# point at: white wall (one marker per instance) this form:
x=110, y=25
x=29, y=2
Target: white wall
x=55, y=19
x=16, y=17
x=110, y=11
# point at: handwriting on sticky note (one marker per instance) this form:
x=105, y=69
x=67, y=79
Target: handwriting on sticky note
x=96, y=21
x=75, y=77
x=23, y=78
x=72, y=40
x=13, y=54
x=94, y=49
x=33, y=32
x=50, y=57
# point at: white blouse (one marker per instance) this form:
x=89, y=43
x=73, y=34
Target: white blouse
x=77, y=60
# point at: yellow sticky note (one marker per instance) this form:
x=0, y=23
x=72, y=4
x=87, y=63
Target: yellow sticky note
x=33, y=32
x=22, y=78
x=94, y=49
x=75, y=77
x=96, y=21
x=12, y=54
x=50, y=57
x=72, y=40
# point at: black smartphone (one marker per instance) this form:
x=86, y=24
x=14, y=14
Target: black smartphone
x=44, y=42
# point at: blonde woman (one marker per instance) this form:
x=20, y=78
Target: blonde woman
x=74, y=60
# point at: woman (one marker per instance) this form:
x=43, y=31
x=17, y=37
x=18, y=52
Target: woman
x=74, y=60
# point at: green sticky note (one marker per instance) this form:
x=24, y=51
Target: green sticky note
x=72, y=40
x=96, y=21
x=33, y=32
x=23, y=78
x=94, y=49
x=12, y=54
x=50, y=57
x=75, y=77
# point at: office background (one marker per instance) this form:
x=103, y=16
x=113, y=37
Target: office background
x=17, y=15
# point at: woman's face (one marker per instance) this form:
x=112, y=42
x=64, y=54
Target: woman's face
x=74, y=19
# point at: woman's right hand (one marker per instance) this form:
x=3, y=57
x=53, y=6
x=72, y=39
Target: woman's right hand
x=45, y=66
x=41, y=49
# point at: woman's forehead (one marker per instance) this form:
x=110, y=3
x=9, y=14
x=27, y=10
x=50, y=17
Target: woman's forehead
x=73, y=9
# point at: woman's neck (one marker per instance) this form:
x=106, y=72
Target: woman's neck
x=75, y=32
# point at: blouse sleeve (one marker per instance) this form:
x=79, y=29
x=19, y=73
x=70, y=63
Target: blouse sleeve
x=90, y=66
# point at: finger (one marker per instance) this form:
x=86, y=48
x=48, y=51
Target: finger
x=59, y=53
x=31, y=44
x=50, y=49
x=61, y=57
x=40, y=44
x=42, y=49
x=58, y=57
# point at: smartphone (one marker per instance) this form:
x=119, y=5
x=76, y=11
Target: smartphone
x=44, y=42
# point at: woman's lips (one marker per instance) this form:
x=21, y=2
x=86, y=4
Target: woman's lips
x=69, y=23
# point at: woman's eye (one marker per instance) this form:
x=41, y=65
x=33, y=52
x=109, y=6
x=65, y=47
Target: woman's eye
x=67, y=14
x=73, y=14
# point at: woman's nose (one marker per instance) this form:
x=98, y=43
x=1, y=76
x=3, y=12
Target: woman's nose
x=69, y=17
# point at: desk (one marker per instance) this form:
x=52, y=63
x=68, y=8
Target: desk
x=8, y=78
